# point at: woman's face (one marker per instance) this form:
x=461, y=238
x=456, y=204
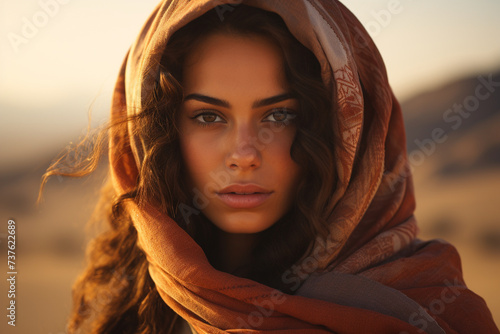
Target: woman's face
x=236, y=130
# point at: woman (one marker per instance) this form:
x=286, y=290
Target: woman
x=259, y=183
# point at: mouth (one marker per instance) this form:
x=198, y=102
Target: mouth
x=244, y=189
x=237, y=200
x=244, y=195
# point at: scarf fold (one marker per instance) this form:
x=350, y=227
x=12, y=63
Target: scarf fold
x=372, y=228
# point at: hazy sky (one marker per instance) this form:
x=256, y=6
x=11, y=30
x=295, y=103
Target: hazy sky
x=59, y=57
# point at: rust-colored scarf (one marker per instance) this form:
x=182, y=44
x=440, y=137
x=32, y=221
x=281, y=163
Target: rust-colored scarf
x=370, y=275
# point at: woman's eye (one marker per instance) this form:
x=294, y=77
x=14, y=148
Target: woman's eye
x=208, y=117
x=280, y=116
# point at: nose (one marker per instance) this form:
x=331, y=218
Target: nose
x=243, y=151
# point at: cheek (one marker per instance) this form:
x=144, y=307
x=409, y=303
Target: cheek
x=199, y=157
x=285, y=168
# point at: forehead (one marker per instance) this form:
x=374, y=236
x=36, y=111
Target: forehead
x=223, y=62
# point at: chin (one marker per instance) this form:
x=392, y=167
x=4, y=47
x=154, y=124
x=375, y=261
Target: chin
x=243, y=222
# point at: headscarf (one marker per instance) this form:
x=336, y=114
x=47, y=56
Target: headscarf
x=371, y=274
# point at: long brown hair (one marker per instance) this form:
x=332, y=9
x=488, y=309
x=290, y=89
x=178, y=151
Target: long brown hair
x=115, y=293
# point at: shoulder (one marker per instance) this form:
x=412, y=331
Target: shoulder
x=430, y=273
x=428, y=262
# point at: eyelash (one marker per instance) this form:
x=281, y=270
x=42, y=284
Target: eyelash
x=291, y=115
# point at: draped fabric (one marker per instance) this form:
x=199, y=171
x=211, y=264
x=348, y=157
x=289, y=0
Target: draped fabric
x=371, y=274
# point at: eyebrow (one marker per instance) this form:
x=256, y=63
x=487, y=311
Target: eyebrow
x=257, y=104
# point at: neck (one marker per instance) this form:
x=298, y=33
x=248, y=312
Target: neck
x=234, y=250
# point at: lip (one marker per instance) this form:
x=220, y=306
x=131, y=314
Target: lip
x=249, y=196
